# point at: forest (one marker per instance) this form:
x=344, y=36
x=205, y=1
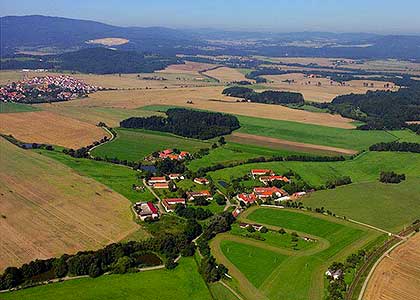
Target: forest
x=93, y=60
x=188, y=123
x=396, y=147
x=267, y=97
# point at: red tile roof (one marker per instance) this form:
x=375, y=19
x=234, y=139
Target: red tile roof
x=152, y=208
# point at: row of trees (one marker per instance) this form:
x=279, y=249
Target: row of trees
x=114, y=258
x=267, y=97
x=188, y=123
x=396, y=147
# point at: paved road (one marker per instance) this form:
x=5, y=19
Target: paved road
x=161, y=209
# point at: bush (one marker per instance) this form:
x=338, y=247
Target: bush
x=391, y=177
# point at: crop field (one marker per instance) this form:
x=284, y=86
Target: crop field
x=365, y=167
x=387, y=206
x=226, y=75
x=157, y=284
x=268, y=272
x=189, y=67
x=135, y=144
x=50, y=128
x=7, y=77
x=118, y=178
x=206, y=98
x=327, y=90
x=48, y=209
x=318, y=135
x=109, y=41
x=397, y=276
x=9, y=107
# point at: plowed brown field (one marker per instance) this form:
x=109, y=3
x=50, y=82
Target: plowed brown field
x=46, y=209
x=397, y=276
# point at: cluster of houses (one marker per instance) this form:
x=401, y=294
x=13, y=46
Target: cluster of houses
x=263, y=193
x=169, y=153
x=60, y=87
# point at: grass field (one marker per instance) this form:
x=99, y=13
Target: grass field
x=387, y=206
x=274, y=273
x=365, y=167
x=183, y=282
x=10, y=107
x=48, y=209
x=313, y=134
x=219, y=292
x=135, y=144
x=118, y=178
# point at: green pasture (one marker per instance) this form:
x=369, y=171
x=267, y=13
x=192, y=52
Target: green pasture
x=183, y=282
x=11, y=107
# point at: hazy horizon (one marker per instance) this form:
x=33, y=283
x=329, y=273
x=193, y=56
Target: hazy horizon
x=382, y=17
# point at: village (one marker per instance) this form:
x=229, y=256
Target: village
x=46, y=88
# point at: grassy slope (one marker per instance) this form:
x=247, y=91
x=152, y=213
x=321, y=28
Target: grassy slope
x=387, y=206
x=219, y=292
x=313, y=134
x=118, y=178
x=300, y=276
x=183, y=282
x=264, y=262
x=16, y=107
x=366, y=167
x=134, y=145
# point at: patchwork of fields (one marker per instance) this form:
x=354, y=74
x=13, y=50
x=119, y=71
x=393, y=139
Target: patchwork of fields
x=267, y=272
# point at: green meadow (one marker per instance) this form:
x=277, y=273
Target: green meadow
x=366, y=167
x=183, y=282
x=313, y=134
x=135, y=144
x=10, y=107
x=387, y=206
x=297, y=275
x=118, y=178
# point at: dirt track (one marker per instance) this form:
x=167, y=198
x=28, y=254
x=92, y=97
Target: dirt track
x=284, y=144
x=397, y=276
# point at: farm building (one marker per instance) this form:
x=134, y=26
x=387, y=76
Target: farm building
x=175, y=176
x=201, y=180
x=271, y=178
x=260, y=172
x=246, y=198
x=169, y=153
x=236, y=212
x=205, y=194
x=334, y=274
x=159, y=185
x=266, y=192
x=146, y=210
x=154, y=180
x=170, y=204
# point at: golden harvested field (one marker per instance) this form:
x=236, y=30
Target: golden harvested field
x=189, y=67
x=328, y=89
x=397, y=276
x=47, y=209
x=109, y=41
x=10, y=76
x=208, y=98
x=50, y=128
x=284, y=144
x=226, y=75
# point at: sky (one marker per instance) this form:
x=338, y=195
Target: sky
x=377, y=16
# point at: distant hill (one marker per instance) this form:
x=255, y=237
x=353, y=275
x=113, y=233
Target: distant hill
x=94, y=60
x=34, y=33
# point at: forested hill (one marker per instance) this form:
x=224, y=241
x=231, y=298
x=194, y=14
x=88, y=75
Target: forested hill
x=267, y=97
x=188, y=123
x=93, y=60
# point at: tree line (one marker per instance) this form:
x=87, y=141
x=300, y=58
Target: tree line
x=391, y=177
x=267, y=97
x=188, y=123
x=396, y=147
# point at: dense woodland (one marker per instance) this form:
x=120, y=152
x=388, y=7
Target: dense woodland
x=93, y=60
x=267, y=97
x=188, y=123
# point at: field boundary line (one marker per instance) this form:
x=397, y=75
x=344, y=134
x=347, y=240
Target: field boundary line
x=373, y=227
x=231, y=290
x=372, y=270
